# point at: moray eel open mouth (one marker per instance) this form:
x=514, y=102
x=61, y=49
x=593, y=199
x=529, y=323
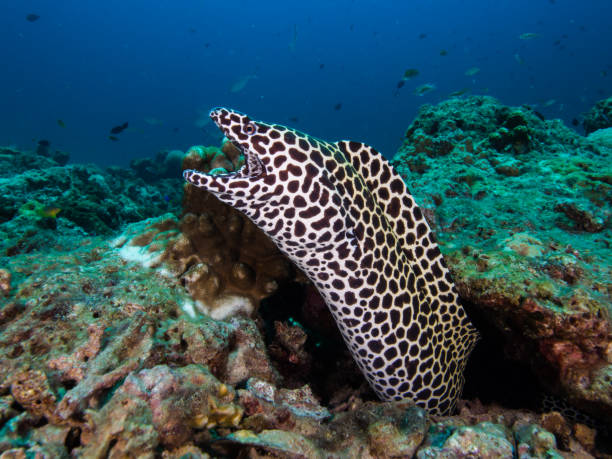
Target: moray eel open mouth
x=238, y=133
x=341, y=213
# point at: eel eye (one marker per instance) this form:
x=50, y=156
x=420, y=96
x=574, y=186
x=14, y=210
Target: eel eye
x=249, y=129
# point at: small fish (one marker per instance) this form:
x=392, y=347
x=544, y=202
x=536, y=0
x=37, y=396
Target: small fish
x=549, y=102
x=575, y=122
x=424, y=89
x=338, y=106
x=539, y=115
x=422, y=35
x=460, y=92
x=119, y=129
x=32, y=17
x=411, y=73
x=519, y=59
x=175, y=129
x=400, y=84
x=294, y=119
x=443, y=52
x=528, y=36
x=48, y=211
x=241, y=83
x=113, y=138
x=321, y=66
x=472, y=71
x=44, y=143
x=61, y=123
x=152, y=121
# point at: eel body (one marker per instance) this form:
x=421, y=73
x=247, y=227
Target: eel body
x=343, y=215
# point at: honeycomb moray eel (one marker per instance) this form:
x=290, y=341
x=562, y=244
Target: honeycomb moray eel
x=344, y=216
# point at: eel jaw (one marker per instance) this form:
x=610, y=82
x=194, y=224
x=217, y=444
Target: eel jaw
x=252, y=168
x=225, y=120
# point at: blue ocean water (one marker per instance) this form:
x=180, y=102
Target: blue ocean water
x=331, y=68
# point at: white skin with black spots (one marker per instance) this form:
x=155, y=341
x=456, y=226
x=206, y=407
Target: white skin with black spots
x=343, y=215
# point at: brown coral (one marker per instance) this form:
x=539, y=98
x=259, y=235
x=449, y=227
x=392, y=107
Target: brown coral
x=224, y=261
x=228, y=157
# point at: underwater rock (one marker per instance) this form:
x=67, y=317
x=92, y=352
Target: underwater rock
x=583, y=219
x=153, y=401
x=381, y=430
x=233, y=351
x=30, y=388
x=130, y=348
x=534, y=441
x=602, y=137
x=529, y=251
x=599, y=116
x=484, y=440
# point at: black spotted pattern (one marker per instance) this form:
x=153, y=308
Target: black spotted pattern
x=346, y=218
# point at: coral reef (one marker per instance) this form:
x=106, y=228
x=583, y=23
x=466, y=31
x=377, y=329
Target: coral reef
x=87, y=197
x=523, y=213
x=166, y=164
x=162, y=340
